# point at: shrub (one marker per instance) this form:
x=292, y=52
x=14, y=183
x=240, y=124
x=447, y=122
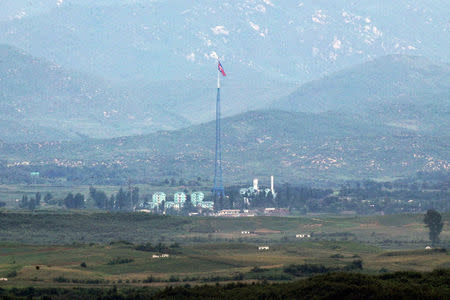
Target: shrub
x=12, y=274
x=256, y=269
x=173, y=278
x=118, y=260
x=61, y=279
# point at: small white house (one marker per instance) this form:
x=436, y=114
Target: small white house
x=160, y=255
x=245, y=232
x=207, y=205
x=3, y=279
x=302, y=235
x=263, y=248
x=428, y=248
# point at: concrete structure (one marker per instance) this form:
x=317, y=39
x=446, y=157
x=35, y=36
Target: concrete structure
x=229, y=213
x=153, y=205
x=272, y=211
x=179, y=198
x=302, y=235
x=248, y=191
x=255, y=184
x=197, y=198
x=263, y=248
x=272, y=188
x=169, y=204
x=159, y=197
x=207, y=205
x=34, y=177
x=160, y=255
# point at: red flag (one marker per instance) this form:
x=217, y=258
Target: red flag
x=221, y=69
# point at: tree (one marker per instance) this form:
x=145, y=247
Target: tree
x=99, y=197
x=111, y=203
x=38, y=199
x=134, y=197
x=121, y=200
x=32, y=204
x=187, y=207
x=72, y=201
x=433, y=220
x=78, y=200
x=68, y=201
x=48, y=197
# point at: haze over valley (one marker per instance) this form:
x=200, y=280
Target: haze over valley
x=237, y=149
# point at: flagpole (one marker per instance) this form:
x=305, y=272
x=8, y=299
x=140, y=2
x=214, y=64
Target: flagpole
x=218, y=78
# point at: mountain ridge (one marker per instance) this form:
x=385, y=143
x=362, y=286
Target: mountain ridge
x=177, y=39
x=389, y=89
x=289, y=145
x=37, y=93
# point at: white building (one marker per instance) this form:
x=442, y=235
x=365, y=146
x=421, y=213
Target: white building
x=263, y=248
x=169, y=204
x=159, y=197
x=229, y=213
x=160, y=255
x=255, y=184
x=207, y=205
x=302, y=235
x=153, y=205
x=179, y=198
x=197, y=198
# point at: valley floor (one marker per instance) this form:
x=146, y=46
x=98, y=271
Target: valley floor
x=91, y=249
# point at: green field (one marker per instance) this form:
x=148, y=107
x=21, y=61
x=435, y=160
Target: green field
x=48, y=248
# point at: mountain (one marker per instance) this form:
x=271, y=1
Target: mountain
x=163, y=53
x=399, y=90
x=195, y=100
x=177, y=39
x=42, y=101
x=292, y=146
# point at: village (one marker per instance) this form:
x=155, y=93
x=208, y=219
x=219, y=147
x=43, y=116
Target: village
x=195, y=203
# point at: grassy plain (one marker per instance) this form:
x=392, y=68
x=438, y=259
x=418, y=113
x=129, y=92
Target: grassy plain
x=209, y=249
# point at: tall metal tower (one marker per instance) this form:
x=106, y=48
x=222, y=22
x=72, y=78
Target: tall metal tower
x=218, y=190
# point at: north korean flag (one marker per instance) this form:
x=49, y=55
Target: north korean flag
x=221, y=69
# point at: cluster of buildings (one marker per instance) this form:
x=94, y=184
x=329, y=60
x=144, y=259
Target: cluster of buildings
x=255, y=189
x=162, y=203
x=269, y=211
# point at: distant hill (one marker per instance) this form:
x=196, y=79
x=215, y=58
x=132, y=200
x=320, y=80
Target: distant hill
x=290, y=145
x=41, y=101
x=178, y=39
x=195, y=100
x=404, y=91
